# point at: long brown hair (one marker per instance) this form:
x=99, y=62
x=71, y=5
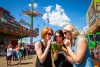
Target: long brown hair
x=61, y=34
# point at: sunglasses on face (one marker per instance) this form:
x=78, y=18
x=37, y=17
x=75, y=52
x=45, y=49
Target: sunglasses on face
x=57, y=36
x=66, y=32
x=49, y=34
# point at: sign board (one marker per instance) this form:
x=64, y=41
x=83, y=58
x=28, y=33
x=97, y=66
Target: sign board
x=91, y=15
x=95, y=3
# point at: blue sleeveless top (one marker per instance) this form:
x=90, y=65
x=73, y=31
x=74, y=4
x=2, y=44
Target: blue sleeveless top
x=87, y=61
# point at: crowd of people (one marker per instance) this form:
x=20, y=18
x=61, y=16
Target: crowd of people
x=16, y=54
x=74, y=50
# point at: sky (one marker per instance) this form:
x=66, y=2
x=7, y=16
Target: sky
x=59, y=13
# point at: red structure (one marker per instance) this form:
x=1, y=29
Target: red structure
x=11, y=29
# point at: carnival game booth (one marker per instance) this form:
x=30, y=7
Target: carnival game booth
x=93, y=22
x=11, y=30
x=93, y=35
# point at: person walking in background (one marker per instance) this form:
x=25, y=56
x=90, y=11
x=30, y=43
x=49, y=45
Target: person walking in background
x=24, y=52
x=59, y=58
x=77, y=47
x=43, y=50
x=9, y=54
x=19, y=54
x=14, y=57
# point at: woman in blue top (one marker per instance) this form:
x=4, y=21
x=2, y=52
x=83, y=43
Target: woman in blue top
x=77, y=51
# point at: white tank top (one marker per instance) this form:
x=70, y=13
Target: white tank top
x=9, y=51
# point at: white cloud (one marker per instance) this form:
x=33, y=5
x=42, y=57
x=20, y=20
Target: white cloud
x=58, y=7
x=48, y=9
x=56, y=17
x=45, y=16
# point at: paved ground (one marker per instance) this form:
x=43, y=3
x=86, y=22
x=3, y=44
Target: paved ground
x=28, y=62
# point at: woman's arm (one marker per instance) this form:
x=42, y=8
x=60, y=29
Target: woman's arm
x=81, y=50
x=67, y=56
x=55, y=55
x=42, y=56
x=69, y=59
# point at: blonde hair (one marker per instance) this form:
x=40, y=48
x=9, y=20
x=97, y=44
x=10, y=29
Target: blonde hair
x=72, y=29
x=45, y=30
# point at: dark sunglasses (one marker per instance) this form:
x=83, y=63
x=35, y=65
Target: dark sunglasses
x=57, y=36
x=49, y=34
x=66, y=32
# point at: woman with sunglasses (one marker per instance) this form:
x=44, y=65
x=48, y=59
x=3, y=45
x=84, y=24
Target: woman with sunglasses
x=77, y=47
x=58, y=55
x=43, y=50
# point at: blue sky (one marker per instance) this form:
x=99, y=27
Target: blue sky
x=74, y=9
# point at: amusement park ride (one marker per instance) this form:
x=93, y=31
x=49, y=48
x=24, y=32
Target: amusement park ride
x=31, y=13
x=11, y=29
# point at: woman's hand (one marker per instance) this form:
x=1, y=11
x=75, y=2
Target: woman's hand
x=67, y=42
x=64, y=49
x=49, y=43
x=55, y=55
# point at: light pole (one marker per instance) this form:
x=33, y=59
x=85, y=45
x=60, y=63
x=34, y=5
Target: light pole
x=31, y=13
x=31, y=16
x=31, y=23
